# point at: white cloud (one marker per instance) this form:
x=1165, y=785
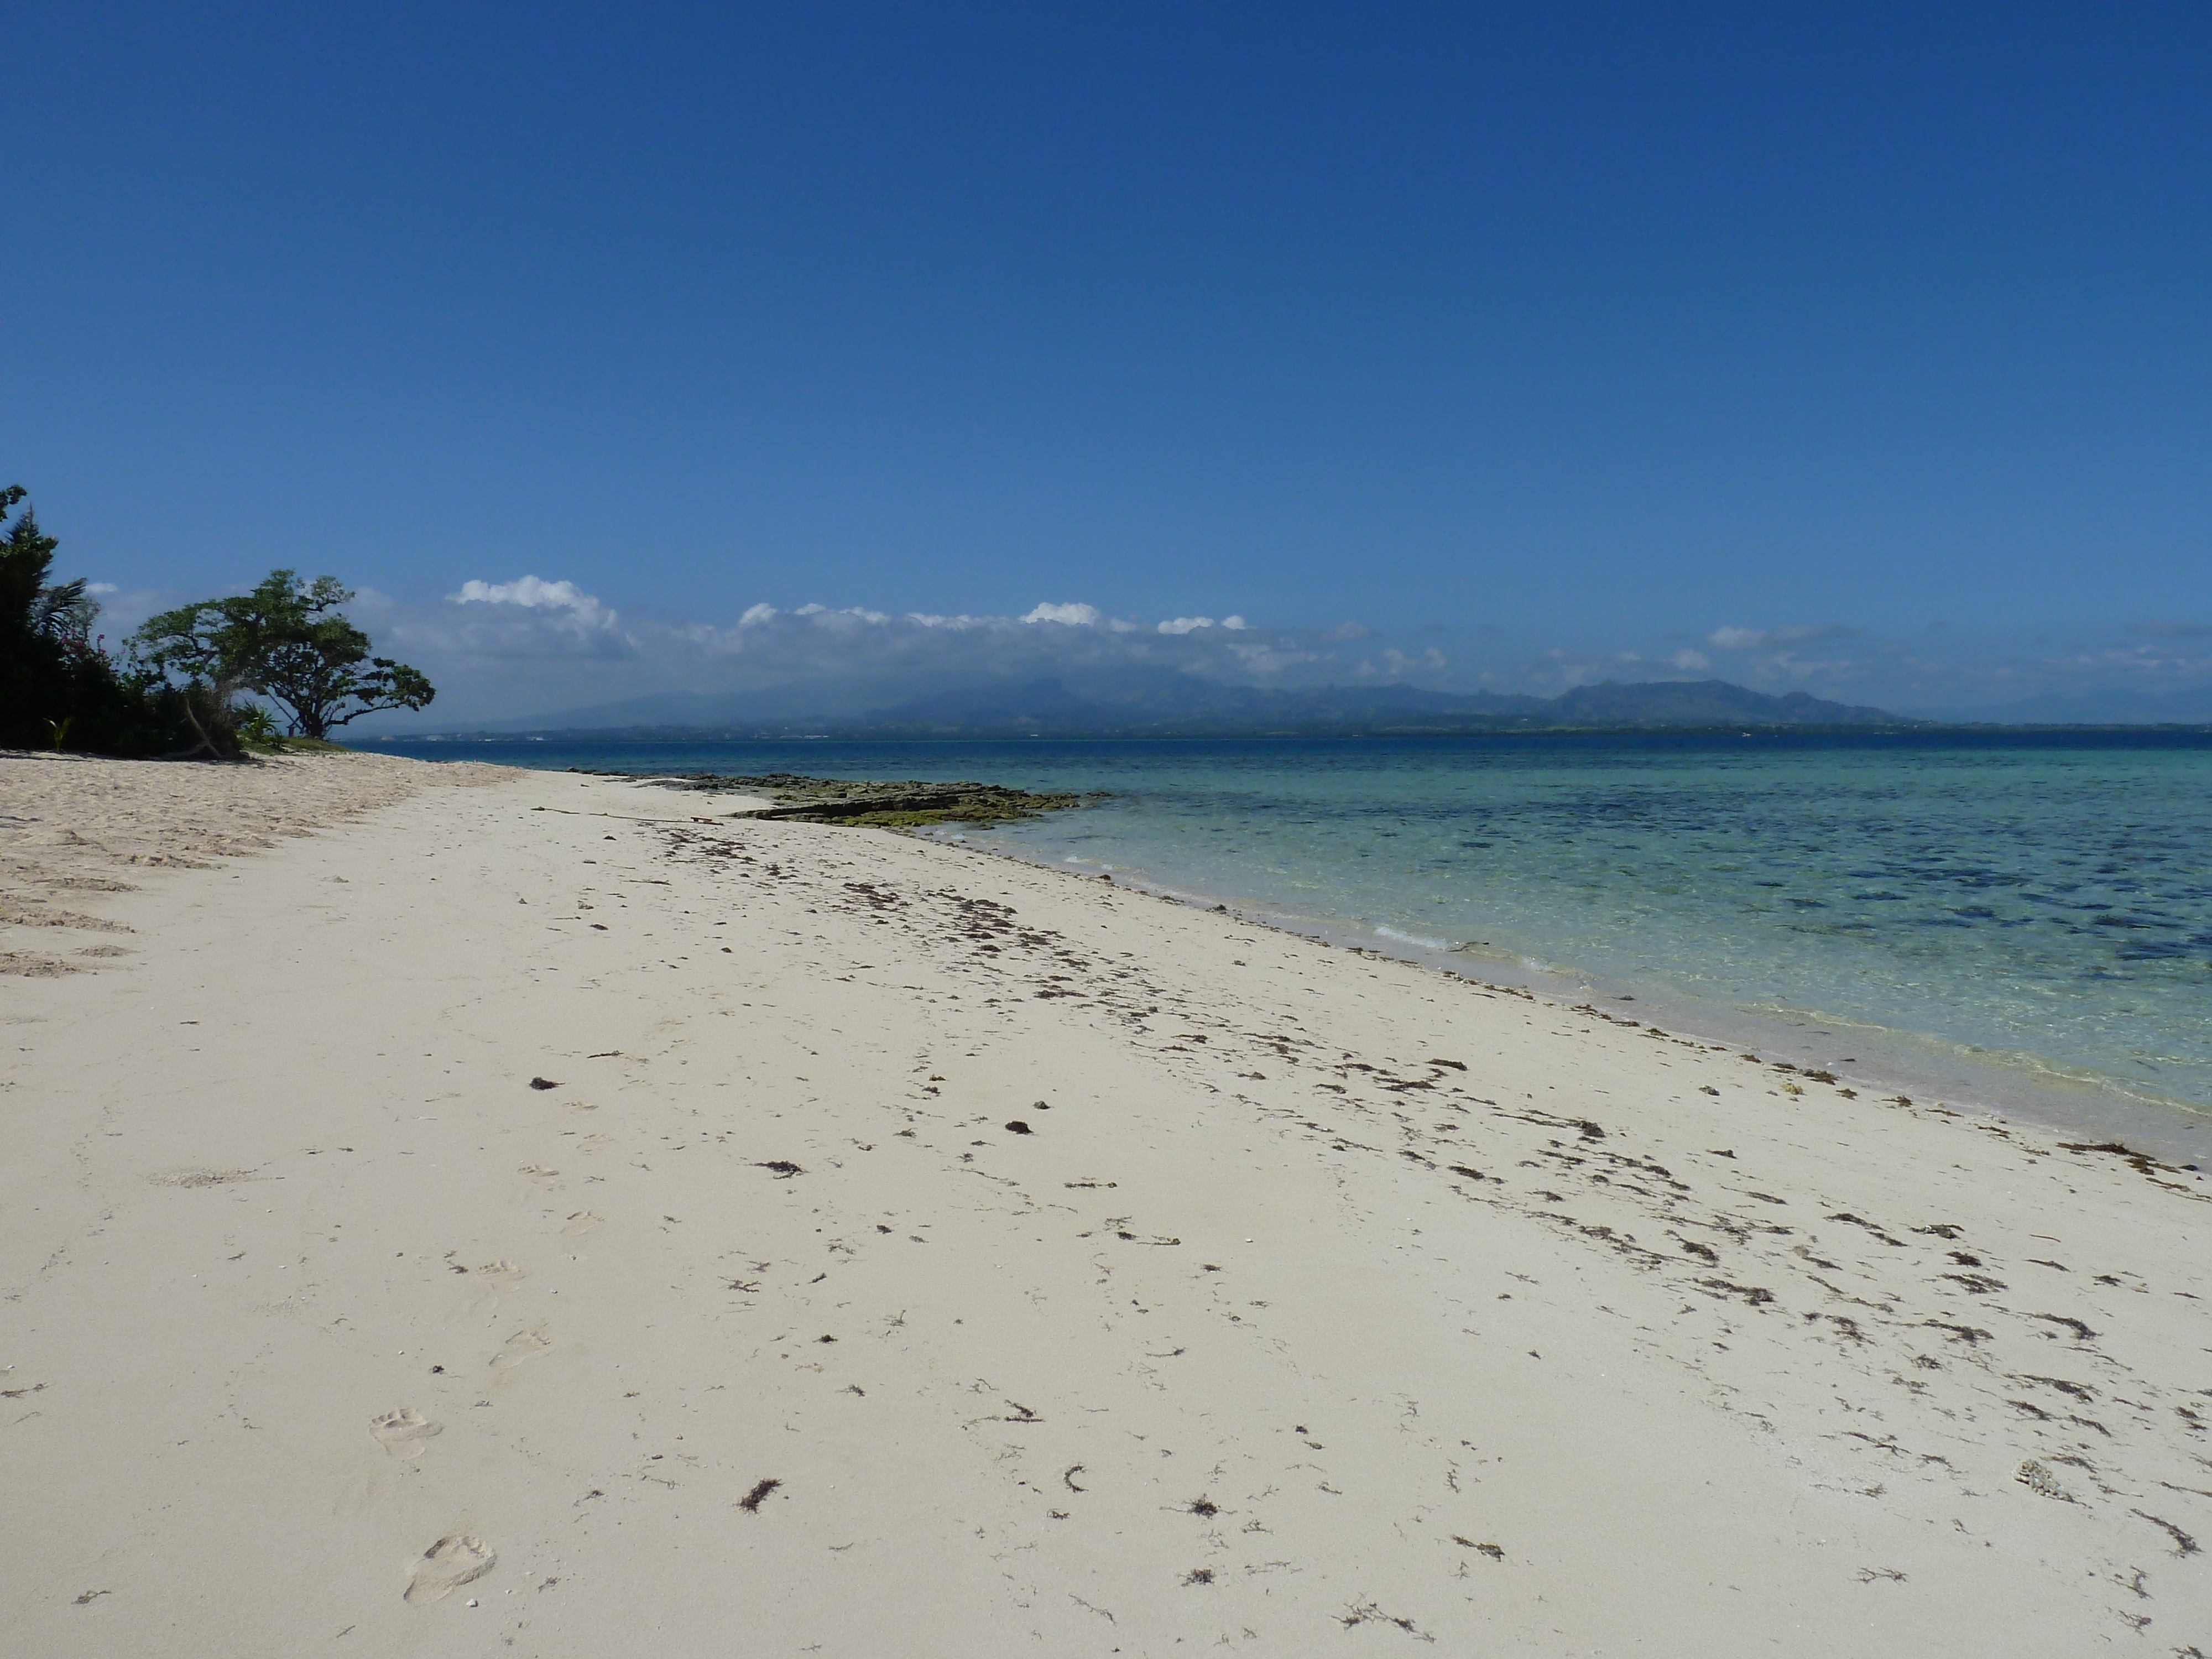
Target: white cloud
x=1235, y=623
x=1071, y=616
x=1689, y=661
x=1760, y=639
x=531, y=594
x=1186, y=624
x=1269, y=660
x=824, y=617
x=755, y=615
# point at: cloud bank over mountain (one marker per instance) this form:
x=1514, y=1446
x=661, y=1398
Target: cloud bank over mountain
x=526, y=646
x=516, y=648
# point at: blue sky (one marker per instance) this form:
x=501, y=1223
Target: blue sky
x=1594, y=337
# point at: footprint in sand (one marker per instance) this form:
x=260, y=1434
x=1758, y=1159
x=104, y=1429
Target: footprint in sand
x=523, y=1345
x=499, y=1272
x=579, y=1224
x=539, y=1173
x=446, y=1565
x=403, y=1432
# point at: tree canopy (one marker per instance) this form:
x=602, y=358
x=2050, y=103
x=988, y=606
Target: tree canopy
x=58, y=688
x=61, y=614
x=287, y=641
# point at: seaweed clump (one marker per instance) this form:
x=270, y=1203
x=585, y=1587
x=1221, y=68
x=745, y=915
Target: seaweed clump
x=905, y=805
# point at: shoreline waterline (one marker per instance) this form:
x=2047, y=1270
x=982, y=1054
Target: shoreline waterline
x=1948, y=1078
x=1991, y=918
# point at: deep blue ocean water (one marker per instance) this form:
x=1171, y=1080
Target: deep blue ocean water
x=1998, y=915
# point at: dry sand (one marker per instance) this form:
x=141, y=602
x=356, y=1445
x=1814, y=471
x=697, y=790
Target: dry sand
x=1328, y=1304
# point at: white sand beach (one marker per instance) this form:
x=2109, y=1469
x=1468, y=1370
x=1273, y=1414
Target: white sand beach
x=450, y=1211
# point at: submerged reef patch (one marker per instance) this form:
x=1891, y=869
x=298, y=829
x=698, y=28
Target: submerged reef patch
x=903, y=804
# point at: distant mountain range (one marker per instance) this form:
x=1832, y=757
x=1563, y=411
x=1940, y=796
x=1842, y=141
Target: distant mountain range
x=1190, y=708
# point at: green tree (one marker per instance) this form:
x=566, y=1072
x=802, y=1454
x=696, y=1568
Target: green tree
x=58, y=688
x=26, y=556
x=286, y=640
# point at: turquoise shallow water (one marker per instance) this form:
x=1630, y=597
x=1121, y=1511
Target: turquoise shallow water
x=1989, y=913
